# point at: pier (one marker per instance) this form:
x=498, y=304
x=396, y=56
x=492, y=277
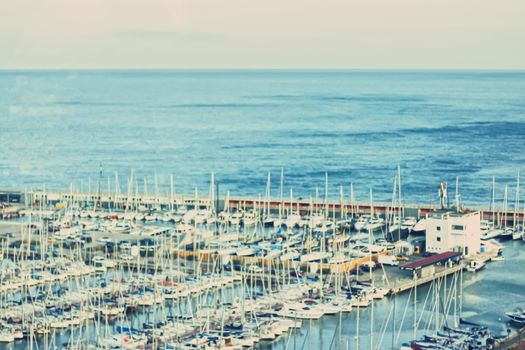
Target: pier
x=331, y=207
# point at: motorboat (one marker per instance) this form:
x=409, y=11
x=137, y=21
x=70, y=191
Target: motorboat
x=492, y=233
x=517, y=316
x=361, y=222
x=420, y=227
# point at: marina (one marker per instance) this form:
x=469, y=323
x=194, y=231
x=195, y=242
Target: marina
x=137, y=271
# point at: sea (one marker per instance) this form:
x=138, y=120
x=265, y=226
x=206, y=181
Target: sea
x=61, y=128
x=75, y=129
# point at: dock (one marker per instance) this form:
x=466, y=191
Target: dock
x=335, y=208
x=402, y=284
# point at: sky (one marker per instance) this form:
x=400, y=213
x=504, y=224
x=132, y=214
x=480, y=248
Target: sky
x=358, y=34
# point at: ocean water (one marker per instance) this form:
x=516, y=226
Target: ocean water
x=57, y=127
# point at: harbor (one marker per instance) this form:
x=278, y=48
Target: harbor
x=150, y=271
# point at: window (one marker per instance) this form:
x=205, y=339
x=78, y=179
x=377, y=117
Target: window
x=457, y=227
x=438, y=239
x=438, y=228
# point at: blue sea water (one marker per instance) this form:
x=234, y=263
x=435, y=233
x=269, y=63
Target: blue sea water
x=58, y=126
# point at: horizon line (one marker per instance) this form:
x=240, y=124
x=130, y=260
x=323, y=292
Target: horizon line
x=225, y=69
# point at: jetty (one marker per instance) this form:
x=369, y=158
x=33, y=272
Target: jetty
x=332, y=207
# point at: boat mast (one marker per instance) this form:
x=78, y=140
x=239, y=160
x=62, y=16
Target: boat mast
x=341, y=204
x=145, y=194
x=109, y=193
x=493, y=201
x=371, y=345
x=130, y=184
x=504, y=214
x=326, y=195
x=400, y=199
x=290, y=210
x=156, y=187
x=321, y=264
x=455, y=299
x=89, y=191
x=268, y=182
x=460, y=294
x=357, y=325
x=516, y=203
x=415, y=304
x=457, y=194
x=437, y=290
x=117, y=191
x=281, y=185
x=171, y=192
x=211, y=204
x=391, y=215
x=98, y=189
x=352, y=199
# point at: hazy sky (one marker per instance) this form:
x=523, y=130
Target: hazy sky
x=262, y=34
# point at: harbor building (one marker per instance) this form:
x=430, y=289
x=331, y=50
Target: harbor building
x=449, y=230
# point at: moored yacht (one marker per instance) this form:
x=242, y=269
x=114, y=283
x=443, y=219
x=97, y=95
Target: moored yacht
x=517, y=316
x=420, y=227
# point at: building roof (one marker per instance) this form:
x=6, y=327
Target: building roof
x=431, y=260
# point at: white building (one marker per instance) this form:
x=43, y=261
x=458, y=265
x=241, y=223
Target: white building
x=452, y=231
